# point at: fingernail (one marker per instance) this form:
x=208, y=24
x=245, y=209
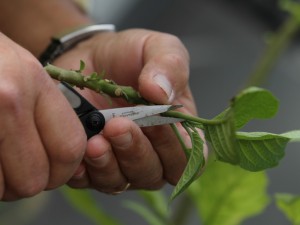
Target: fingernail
x=165, y=85
x=122, y=141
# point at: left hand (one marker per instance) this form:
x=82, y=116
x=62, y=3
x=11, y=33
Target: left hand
x=157, y=65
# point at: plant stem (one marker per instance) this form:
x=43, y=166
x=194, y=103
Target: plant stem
x=181, y=141
x=278, y=42
x=195, y=119
x=97, y=83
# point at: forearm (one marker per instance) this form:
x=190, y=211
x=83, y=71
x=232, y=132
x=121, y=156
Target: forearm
x=32, y=23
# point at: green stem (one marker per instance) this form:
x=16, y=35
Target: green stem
x=181, y=141
x=275, y=47
x=98, y=84
x=195, y=119
x=95, y=82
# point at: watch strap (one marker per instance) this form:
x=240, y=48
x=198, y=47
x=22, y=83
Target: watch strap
x=64, y=42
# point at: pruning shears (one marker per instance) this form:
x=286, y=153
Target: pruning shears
x=94, y=120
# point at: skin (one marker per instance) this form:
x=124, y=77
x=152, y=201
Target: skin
x=33, y=157
x=42, y=143
x=145, y=158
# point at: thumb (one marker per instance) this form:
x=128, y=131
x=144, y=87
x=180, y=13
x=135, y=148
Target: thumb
x=166, y=69
x=157, y=89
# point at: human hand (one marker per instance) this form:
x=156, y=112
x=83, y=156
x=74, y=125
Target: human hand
x=157, y=65
x=41, y=140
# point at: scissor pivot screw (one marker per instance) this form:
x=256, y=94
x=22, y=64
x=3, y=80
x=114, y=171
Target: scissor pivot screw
x=95, y=121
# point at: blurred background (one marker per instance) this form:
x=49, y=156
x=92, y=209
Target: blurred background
x=225, y=39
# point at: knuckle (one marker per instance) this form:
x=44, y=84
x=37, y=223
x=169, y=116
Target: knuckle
x=150, y=178
x=72, y=150
x=155, y=183
x=174, y=59
x=36, y=70
x=10, y=97
x=176, y=41
x=31, y=187
x=148, y=182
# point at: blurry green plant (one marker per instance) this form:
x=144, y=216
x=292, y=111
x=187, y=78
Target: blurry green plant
x=290, y=205
x=23, y=211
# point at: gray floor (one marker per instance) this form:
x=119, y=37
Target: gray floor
x=224, y=41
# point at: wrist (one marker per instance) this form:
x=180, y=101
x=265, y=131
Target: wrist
x=63, y=42
x=37, y=21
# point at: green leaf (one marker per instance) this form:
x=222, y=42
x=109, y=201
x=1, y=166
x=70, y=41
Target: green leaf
x=156, y=213
x=187, y=151
x=228, y=195
x=293, y=135
x=292, y=7
x=157, y=201
x=253, y=103
x=290, y=205
x=222, y=138
x=252, y=151
x=83, y=201
x=82, y=66
x=195, y=164
x=261, y=150
x=145, y=213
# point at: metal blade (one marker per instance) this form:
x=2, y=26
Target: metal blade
x=135, y=112
x=73, y=99
x=156, y=120
x=78, y=102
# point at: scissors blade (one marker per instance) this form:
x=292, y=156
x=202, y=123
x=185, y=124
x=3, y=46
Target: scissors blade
x=136, y=112
x=156, y=120
x=73, y=98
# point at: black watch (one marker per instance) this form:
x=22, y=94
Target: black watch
x=63, y=43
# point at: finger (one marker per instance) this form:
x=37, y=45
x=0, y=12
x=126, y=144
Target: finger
x=33, y=113
x=137, y=159
x=169, y=150
x=80, y=178
x=62, y=134
x=166, y=69
x=24, y=162
x=159, y=60
x=102, y=167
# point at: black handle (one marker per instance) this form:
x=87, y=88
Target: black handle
x=93, y=123
x=92, y=120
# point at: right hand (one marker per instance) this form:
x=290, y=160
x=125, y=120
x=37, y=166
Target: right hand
x=157, y=65
x=42, y=142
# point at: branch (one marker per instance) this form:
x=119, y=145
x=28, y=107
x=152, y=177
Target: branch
x=278, y=42
x=97, y=83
